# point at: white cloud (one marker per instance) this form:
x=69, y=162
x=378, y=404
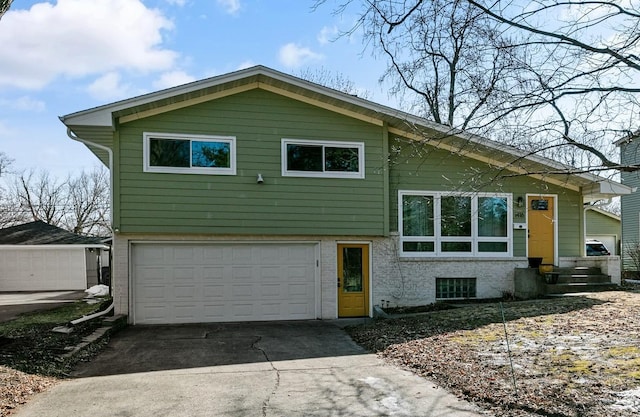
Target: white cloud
x=229, y=6
x=294, y=56
x=109, y=87
x=24, y=103
x=76, y=38
x=177, y=2
x=246, y=64
x=172, y=79
x=327, y=34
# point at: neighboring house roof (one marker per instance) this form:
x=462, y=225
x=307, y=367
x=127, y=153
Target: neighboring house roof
x=97, y=125
x=41, y=233
x=605, y=213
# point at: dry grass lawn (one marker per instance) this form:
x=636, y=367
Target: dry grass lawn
x=572, y=356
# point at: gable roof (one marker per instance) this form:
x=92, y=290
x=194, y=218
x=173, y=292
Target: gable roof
x=97, y=125
x=41, y=233
x=604, y=213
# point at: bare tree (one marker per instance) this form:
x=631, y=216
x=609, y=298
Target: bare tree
x=88, y=199
x=552, y=76
x=78, y=204
x=337, y=81
x=39, y=197
x=5, y=163
x=4, y=6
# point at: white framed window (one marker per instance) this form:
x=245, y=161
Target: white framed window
x=454, y=224
x=189, y=154
x=328, y=159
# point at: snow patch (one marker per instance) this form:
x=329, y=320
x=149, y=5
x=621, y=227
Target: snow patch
x=628, y=400
x=97, y=291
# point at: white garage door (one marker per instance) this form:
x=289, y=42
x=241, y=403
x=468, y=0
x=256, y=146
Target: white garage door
x=197, y=283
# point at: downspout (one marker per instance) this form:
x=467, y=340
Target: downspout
x=92, y=316
x=85, y=142
x=109, y=151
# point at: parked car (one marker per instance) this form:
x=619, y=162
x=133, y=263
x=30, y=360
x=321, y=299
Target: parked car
x=596, y=248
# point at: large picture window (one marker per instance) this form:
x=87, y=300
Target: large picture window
x=454, y=224
x=309, y=158
x=189, y=154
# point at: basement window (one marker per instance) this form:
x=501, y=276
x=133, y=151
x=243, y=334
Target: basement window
x=455, y=288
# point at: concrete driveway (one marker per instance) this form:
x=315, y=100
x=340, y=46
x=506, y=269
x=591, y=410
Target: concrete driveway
x=13, y=304
x=308, y=368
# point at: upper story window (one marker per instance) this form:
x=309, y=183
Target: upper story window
x=311, y=158
x=189, y=154
x=454, y=224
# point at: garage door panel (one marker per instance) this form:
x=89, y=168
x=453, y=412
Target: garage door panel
x=215, y=282
x=240, y=291
x=213, y=291
x=185, y=313
x=271, y=290
x=212, y=273
x=184, y=292
x=242, y=273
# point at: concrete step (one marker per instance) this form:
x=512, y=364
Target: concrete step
x=583, y=270
x=579, y=287
x=583, y=279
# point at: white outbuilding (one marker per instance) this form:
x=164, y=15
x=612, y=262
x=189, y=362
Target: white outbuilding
x=37, y=256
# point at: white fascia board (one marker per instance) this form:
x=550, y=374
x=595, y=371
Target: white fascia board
x=56, y=247
x=102, y=115
x=606, y=189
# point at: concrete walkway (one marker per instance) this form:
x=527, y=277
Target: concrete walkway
x=309, y=368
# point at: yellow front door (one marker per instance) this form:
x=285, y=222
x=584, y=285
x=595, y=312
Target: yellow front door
x=353, y=280
x=541, y=231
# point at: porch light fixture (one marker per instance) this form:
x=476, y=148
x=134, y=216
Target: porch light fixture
x=259, y=179
x=520, y=201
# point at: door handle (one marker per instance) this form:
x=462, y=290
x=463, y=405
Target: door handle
x=339, y=285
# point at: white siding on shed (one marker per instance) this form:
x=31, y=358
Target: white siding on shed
x=38, y=268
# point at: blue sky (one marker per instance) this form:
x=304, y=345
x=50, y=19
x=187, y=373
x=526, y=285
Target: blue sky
x=59, y=57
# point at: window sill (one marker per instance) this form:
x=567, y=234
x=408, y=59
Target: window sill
x=507, y=258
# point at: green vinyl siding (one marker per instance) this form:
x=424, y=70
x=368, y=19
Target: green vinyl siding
x=236, y=204
x=601, y=224
x=427, y=168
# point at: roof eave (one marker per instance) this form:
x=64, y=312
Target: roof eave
x=103, y=116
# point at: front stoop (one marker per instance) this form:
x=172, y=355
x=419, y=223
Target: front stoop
x=577, y=279
x=109, y=325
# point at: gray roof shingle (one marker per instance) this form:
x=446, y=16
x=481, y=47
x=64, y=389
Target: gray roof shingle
x=41, y=233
